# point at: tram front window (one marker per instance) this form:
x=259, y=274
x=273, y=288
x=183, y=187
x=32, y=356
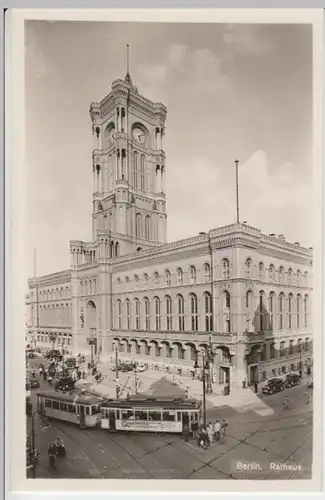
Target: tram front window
x=95, y=409
x=154, y=415
x=141, y=415
x=169, y=416
x=71, y=408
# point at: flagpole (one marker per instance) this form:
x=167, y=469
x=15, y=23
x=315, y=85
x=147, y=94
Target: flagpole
x=237, y=191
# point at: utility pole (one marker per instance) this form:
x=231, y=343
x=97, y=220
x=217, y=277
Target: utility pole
x=37, y=306
x=237, y=191
x=135, y=378
x=116, y=373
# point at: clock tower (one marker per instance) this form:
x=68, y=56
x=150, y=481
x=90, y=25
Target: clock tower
x=128, y=169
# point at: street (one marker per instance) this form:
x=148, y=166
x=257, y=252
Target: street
x=277, y=446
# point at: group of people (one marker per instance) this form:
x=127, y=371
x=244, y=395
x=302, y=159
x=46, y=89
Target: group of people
x=214, y=432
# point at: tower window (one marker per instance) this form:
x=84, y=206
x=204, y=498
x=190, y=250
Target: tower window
x=138, y=226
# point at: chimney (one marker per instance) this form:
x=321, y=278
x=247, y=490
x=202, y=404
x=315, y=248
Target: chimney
x=202, y=232
x=297, y=243
x=272, y=234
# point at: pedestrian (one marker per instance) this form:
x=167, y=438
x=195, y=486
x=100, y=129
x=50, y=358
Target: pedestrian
x=40, y=371
x=44, y=375
x=174, y=380
x=307, y=398
x=217, y=429
x=79, y=374
x=194, y=428
x=286, y=403
x=222, y=435
x=256, y=387
x=210, y=432
x=244, y=383
x=224, y=425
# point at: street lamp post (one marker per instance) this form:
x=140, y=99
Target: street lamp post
x=205, y=371
x=52, y=338
x=34, y=457
x=91, y=342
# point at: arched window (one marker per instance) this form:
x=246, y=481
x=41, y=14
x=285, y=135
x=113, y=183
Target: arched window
x=142, y=173
x=290, y=275
x=138, y=226
x=137, y=314
x=167, y=278
x=156, y=278
x=306, y=344
x=136, y=278
x=290, y=311
x=127, y=279
x=157, y=313
x=249, y=296
x=128, y=314
x=147, y=227
x=180, y=351
x=147, y=312
x=298, y=310
x=208, y=312
x=179, y=275
x=146, y=277
x=281, y=274
x=169, y=313
x=226, y=299
x=225, y=268
x=119, y=314
x=194, y=312
x=207, y=272
x=135, y=170
x=271, y=272
x=180, y=312
x=248, y=267
x=118, y=281
x=261, y=310
x=305, y=310
x=261, y=270
x=192, y=274
x=281, y=310
x=271, y=309
x=298, y=275
x=306, y=277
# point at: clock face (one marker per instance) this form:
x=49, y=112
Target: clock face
x=138, y=135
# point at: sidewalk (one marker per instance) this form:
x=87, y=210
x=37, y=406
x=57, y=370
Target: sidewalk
x=240, y=399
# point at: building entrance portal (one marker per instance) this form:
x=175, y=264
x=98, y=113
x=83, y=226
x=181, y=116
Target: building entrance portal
x=224, y=375
x=253, y=374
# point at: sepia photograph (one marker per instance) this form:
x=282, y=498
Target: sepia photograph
x=169, y=250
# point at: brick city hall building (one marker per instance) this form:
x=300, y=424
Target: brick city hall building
x=244, y=295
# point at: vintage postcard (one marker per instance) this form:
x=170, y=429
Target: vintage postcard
x=165, y=188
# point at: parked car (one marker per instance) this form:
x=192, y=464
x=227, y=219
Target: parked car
x=273, y=385
x=54, y=354
x=292, y=379
x=70, y=362
x=34, y=383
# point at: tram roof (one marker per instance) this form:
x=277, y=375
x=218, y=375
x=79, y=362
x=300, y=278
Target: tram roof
x=73, y=396
x=159, y=402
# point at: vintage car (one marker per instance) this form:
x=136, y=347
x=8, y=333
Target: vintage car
x=34, y=383
x=292, y=379
x=273, y=385
x=64, y=383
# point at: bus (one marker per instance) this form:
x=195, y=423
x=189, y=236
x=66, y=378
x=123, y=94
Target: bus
x=74, y=406
x=149, y=414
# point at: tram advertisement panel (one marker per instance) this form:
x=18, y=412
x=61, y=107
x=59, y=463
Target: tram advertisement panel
x=148, y=425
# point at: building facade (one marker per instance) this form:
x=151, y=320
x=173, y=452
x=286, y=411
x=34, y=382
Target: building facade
x=245, y=295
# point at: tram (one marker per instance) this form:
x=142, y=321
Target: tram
x=148, y=414
x=74, y=407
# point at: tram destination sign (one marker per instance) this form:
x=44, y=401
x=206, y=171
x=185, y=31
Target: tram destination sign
x=148, y=425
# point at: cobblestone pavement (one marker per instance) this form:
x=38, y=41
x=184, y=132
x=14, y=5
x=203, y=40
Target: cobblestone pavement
x=277, y=446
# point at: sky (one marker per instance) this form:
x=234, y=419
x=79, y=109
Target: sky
x=231, y=90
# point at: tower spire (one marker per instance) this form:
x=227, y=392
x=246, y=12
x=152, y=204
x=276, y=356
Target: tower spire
x=127, y=76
